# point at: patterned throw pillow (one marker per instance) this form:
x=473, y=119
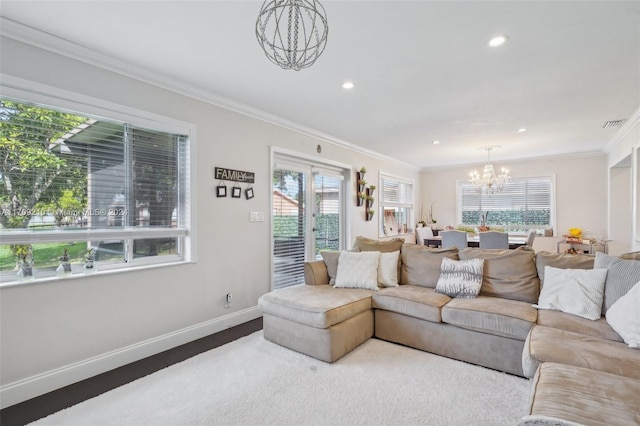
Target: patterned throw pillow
x=622, y=275
x=358, y=270
x=573, y=291
x=460, y=278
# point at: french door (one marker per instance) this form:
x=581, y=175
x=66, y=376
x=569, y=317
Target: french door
x=308, y=212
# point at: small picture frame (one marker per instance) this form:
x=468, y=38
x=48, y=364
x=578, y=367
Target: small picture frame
x=236, y=191
x=221, y=191
x=248, y=193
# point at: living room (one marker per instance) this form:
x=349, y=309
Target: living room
x=59, y=331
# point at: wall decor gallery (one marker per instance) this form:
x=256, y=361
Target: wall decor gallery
x=222, y=175
x=364, y=194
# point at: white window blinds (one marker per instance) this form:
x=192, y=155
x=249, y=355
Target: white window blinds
x=524, y=203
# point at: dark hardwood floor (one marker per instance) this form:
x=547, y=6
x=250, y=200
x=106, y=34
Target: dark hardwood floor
x=44, y=405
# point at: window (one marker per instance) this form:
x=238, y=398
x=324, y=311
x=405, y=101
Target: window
x=523, y=204
x=396, y=206
x=83, y=185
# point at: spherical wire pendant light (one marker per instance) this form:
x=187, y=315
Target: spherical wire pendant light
x=292, y=33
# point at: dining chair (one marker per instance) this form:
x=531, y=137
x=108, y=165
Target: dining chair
x=530, y=238
x=494, y=240
x=454, y=238
x=422, y=234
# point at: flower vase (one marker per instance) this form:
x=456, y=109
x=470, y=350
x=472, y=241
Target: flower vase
x=90, y=266
x=64, y=268
x=25, y=272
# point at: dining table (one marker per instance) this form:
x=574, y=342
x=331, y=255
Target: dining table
x=514, y=241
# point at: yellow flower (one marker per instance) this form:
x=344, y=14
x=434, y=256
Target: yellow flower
x=575, y=232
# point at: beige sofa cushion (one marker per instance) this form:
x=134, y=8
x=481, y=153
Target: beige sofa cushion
x=385, y=246
x=562, y=261
x=492, y=315
x=598, y=328
x=320, y=306
x=509, y=274
x=545, y=344
x=421, y=265
x=584, y=396
x=415, y=301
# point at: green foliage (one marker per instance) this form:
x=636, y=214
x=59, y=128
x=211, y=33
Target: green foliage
x=509, y=217
x=29, y=163
x=45, y=255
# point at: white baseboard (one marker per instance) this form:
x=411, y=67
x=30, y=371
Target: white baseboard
x=16, y=392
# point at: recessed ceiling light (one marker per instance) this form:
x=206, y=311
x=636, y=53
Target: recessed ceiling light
x=435, y=142
x=522, y=130
x=497, y=41
x=348, y=85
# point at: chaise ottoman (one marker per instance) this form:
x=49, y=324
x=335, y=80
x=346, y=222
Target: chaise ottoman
x=579, y=395
x=318, y=320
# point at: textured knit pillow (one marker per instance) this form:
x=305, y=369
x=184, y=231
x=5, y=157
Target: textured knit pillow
x=460, y=278
x=622, y=275
x=573, y=291
x=358, y=270
x=624, y=317
x=388, y=269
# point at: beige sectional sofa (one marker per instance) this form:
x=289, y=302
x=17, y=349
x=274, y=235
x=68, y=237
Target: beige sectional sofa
x=499, y=329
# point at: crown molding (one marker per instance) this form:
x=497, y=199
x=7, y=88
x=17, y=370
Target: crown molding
x=623, y=131
x=49, y=42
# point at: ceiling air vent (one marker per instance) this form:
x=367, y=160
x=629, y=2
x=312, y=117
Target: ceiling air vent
x=613, y=124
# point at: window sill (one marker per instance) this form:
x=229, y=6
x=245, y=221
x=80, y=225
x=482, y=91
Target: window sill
x=5, y=277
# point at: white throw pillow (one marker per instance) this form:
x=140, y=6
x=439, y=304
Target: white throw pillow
x=358, y=270
x=573, y=291
x=624, y=317
x=388, y=269
x=460, y=278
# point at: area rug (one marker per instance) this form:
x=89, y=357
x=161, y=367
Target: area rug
x=252, y=381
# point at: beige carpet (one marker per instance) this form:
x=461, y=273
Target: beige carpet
x=254, y=382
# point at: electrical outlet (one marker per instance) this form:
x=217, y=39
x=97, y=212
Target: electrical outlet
x=228, y=300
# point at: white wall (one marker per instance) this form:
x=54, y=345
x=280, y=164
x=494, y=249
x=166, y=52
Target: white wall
x=64, y=330
x=581, y=190
x=624, y=194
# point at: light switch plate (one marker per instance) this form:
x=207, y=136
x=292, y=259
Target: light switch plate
x=256, y=216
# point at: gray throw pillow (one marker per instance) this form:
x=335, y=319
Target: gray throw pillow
x=621, y=276
x=330, y=258
x=563, y=261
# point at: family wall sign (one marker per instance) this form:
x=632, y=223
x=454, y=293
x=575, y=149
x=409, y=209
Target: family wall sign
x=222, y=174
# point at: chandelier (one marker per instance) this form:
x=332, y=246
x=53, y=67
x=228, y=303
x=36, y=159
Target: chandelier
x=292, y=33
x=490, y=182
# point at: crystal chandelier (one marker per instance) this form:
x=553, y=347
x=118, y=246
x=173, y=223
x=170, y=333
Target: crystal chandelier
x=292, y=33
x=490, y=182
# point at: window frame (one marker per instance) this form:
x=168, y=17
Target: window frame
x=552, y=204
x=57, y=99
x=382, y=203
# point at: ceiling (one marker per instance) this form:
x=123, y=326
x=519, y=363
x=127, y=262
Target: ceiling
x=423, y=70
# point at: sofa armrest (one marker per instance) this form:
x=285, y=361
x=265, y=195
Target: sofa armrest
x=315, y=273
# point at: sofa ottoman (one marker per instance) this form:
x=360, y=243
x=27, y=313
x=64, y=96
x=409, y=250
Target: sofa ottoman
x=546, y=344
x=318, y=320
x=584, y=396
